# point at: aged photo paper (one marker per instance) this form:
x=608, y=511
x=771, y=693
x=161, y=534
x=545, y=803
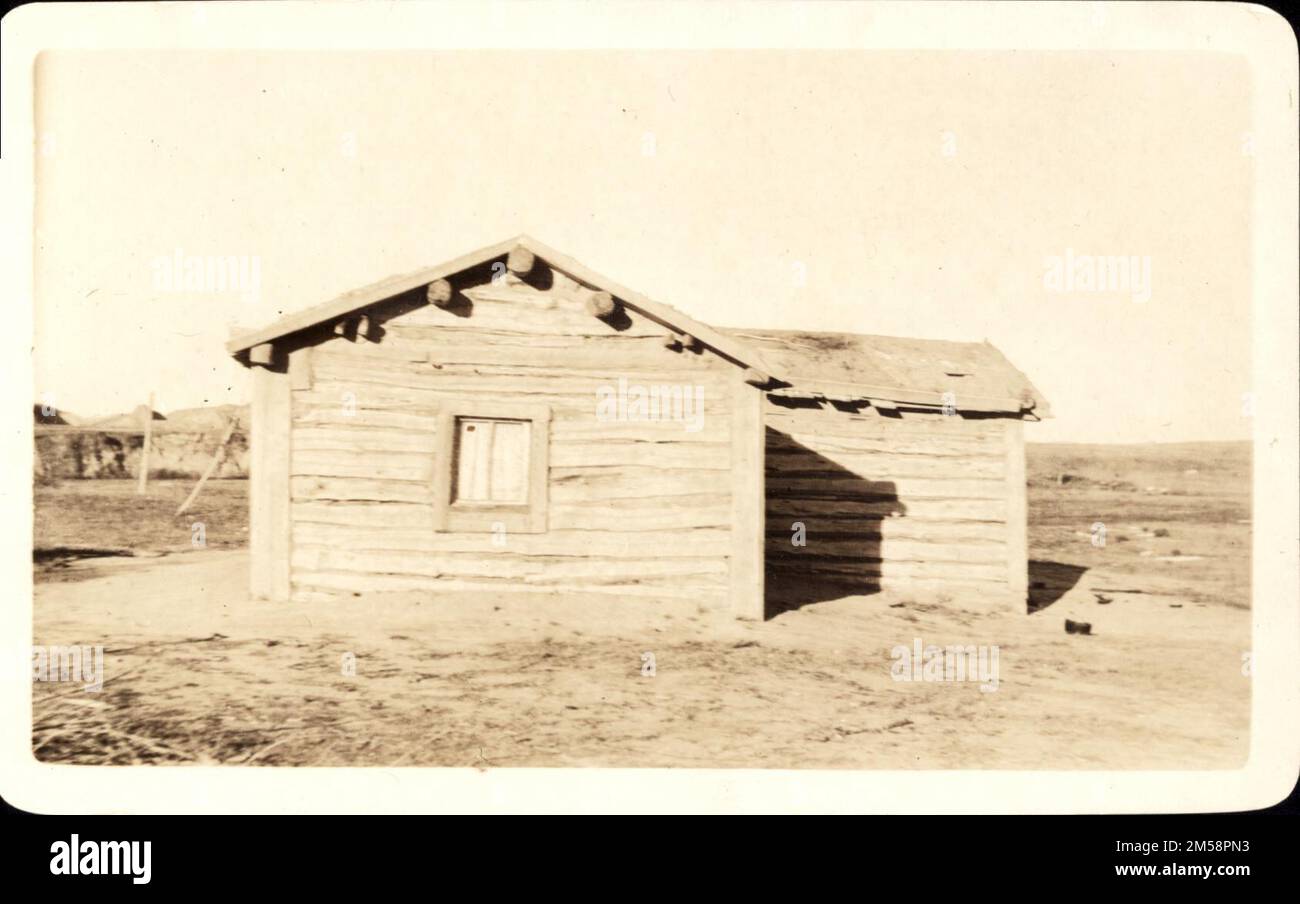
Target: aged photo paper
x=761, y=407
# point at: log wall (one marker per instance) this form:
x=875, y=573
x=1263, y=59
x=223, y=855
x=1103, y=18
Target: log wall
x=921, y=503
x=636, y=508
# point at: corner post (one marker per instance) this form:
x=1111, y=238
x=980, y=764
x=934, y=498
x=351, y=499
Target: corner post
x=748, y=500
x=1017, y=516
x=268, y=525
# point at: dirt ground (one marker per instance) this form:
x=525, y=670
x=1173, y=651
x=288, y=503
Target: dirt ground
x=195, y=673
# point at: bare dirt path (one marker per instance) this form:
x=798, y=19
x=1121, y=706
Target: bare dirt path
x=196, y=673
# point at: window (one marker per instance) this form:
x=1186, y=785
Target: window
x=490, y=470
x=491, y=461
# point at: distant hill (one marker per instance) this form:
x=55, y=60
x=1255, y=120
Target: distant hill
x=1119, y=458
x=205, y=419
x=132, y=420
x=54, y=417
x=182, y=420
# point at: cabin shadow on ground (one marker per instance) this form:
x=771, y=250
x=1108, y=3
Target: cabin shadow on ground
x=1049, y=581
x=842, y=507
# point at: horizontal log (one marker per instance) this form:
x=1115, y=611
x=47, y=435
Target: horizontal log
x=588, y=517
x=360, y=490
x=630, y=382
x=890, y=550
x=505, y=565
x=410, y=466
x=675, y=449
x=881, y=466
x=595, y=485
x=919, y=509
x=632, y=477
x=606, y=360
x=704, y=542
x=580, y=430
x=562, y=318
x=598, y=367
x=902, y=445
x=361, y=515
x=902, y=488
x=309, y=413
x=790, y=583
x=832, y=422
x=398, y=515
x=302, y=595
x=447, y=335
x=358, y=396
x=513, y=291
x=578, y=488
x=356, y=439
x=377, y=389
x=705, y=590
x=823, y=528
x=699, y=456
x=960, y=572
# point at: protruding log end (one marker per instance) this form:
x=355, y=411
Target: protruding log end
x=347, y=328
x=520, y=261
x=692, y=344
x=672, y=342
x=263, y=354
x=368, y=328
x=601, y=304
x=439, y=293
x=756, y=378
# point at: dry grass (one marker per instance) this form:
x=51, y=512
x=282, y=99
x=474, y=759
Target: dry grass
x=80, y=519
x=1161, y=505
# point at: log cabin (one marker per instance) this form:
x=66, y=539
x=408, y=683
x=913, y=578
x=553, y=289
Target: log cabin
x=513, y=421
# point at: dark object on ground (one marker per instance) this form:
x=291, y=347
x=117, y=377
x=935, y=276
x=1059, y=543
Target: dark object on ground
x=1075, y=627
x=51, y=553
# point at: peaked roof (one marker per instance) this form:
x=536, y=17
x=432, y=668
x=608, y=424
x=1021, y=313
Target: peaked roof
x=351, y=302
x=833, y=365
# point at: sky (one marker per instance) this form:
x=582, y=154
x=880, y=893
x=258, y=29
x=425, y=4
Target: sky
x=945, y=195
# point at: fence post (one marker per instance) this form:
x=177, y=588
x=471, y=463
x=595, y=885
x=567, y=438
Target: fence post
x=144, y=449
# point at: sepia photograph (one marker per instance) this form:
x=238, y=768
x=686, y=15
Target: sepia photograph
x=816, y=408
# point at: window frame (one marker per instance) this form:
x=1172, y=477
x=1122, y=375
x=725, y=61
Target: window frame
x=481, y=517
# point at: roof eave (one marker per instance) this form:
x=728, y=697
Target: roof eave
x=356, y=299
x=349, y=303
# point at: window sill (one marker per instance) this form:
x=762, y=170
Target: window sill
x=485, y=518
